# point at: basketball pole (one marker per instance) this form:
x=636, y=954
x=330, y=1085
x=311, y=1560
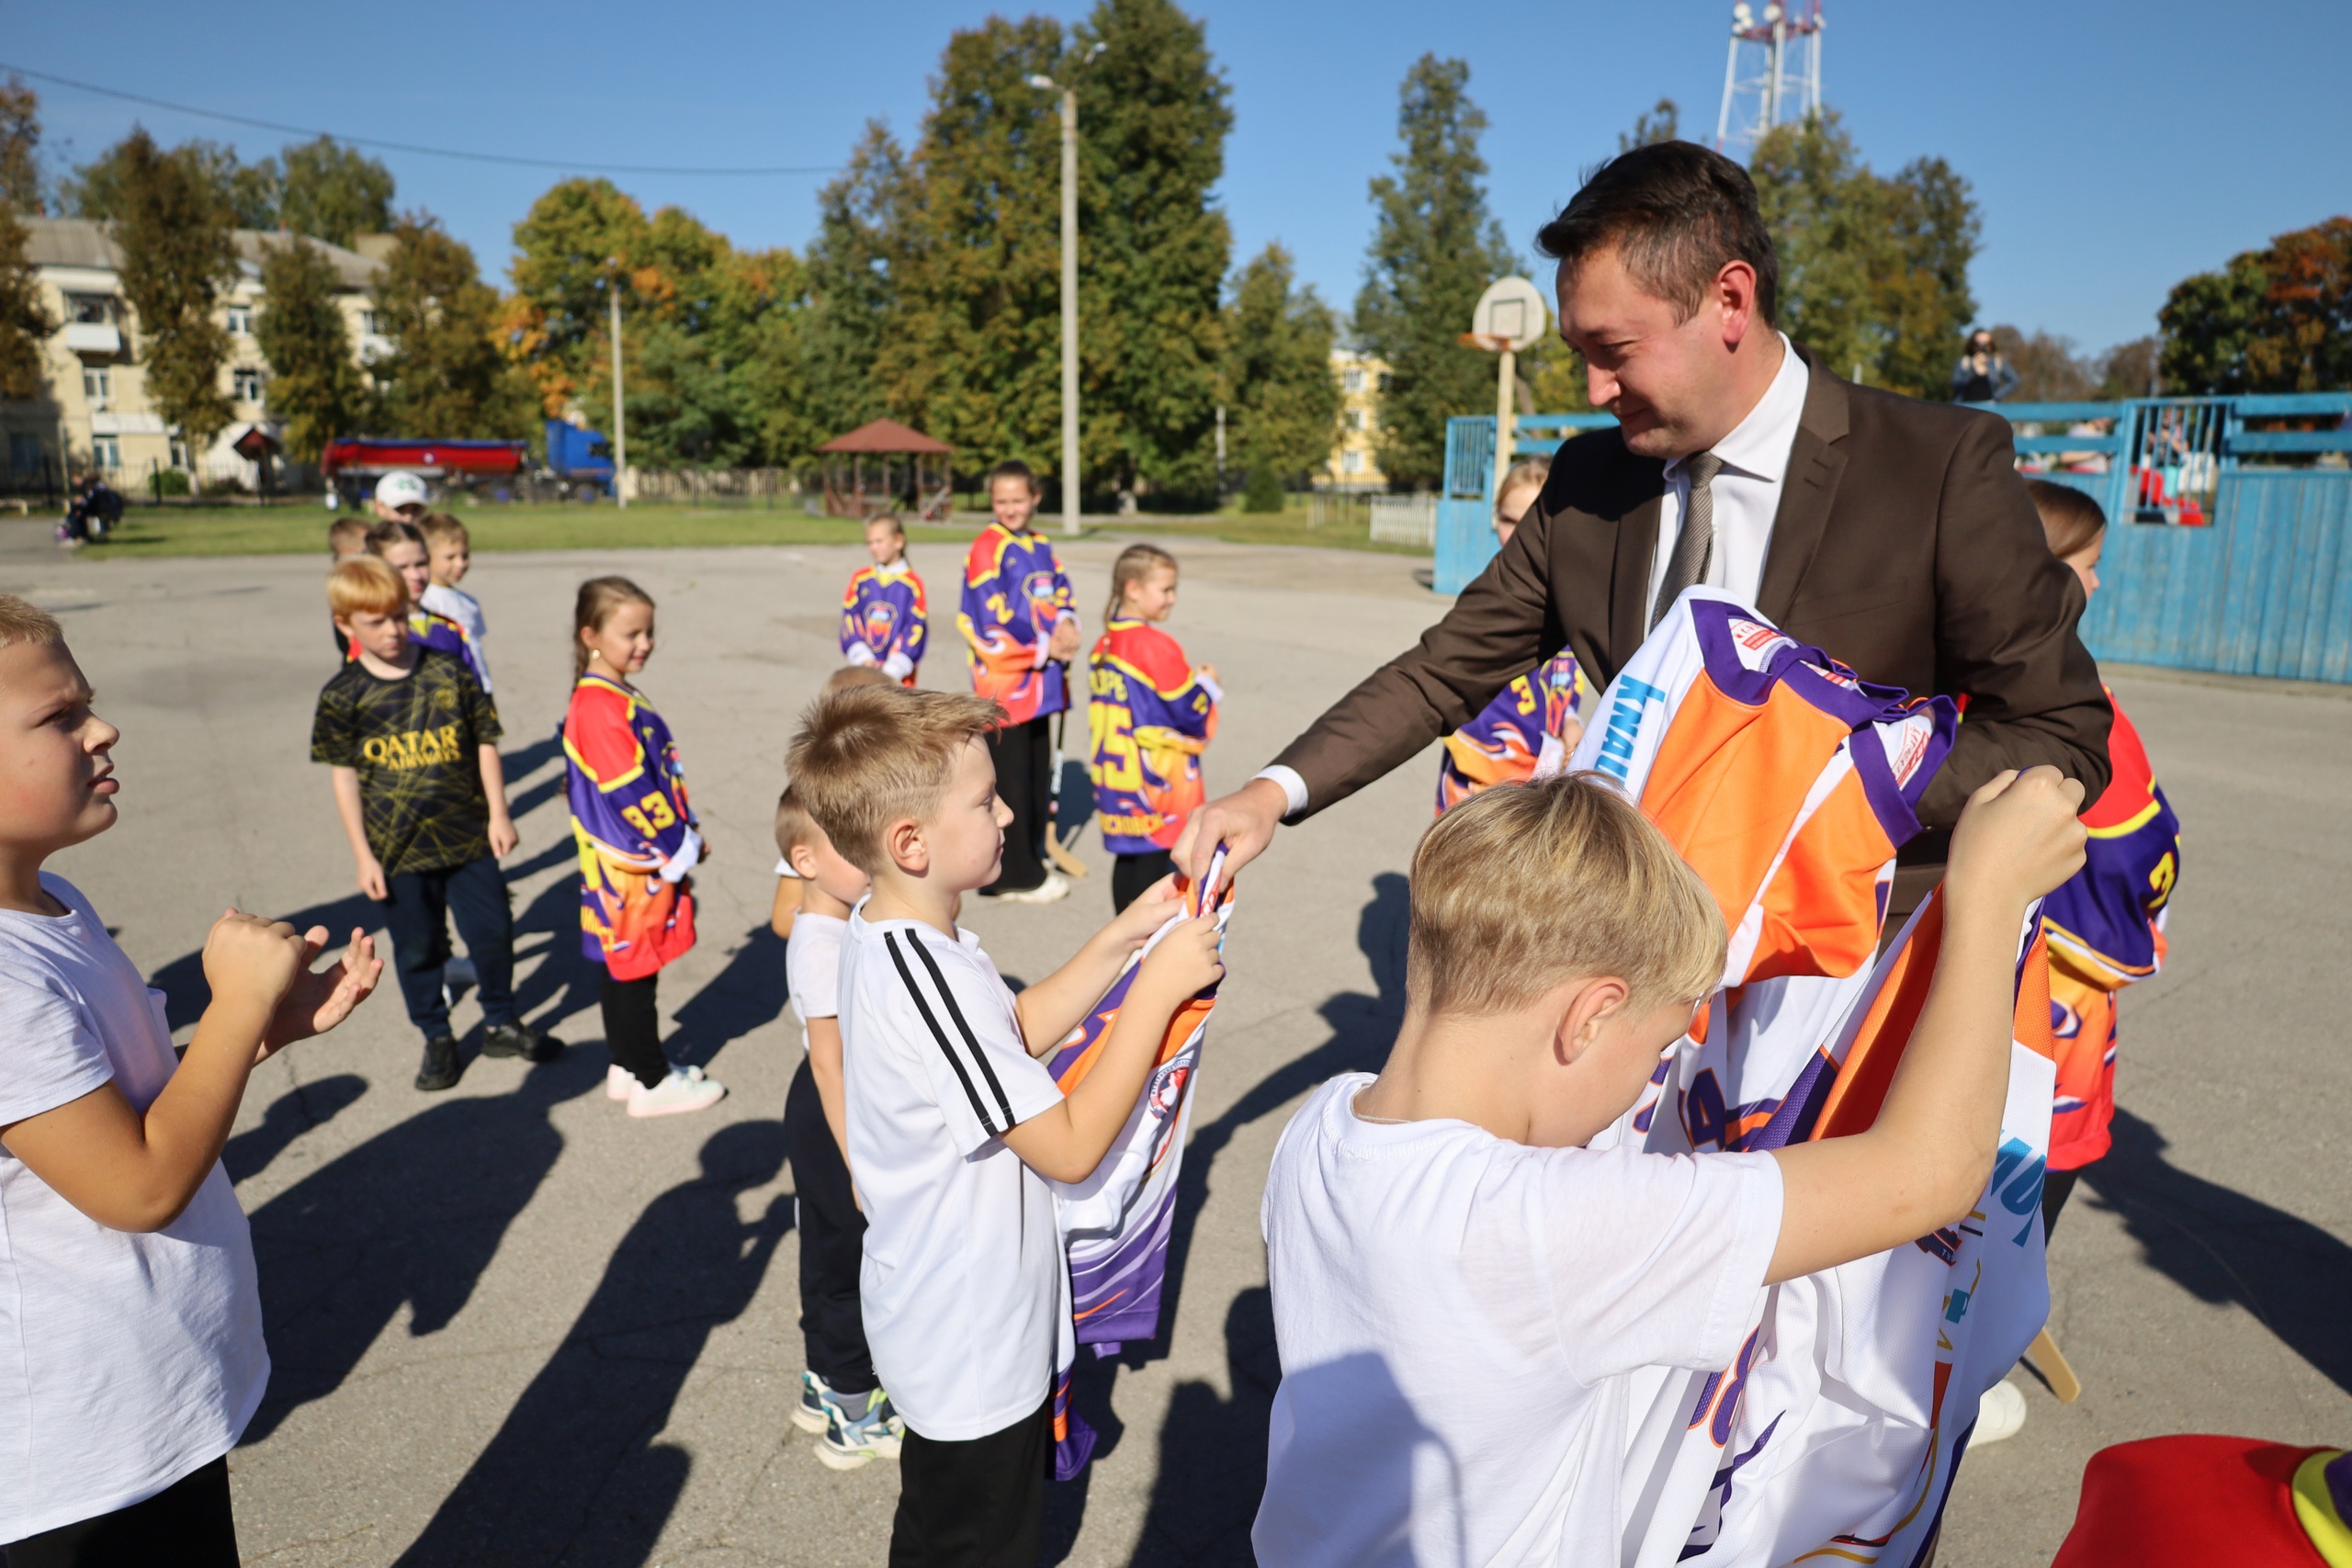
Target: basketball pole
x=1505, y=442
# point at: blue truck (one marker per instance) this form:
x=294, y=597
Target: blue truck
x=582, y=459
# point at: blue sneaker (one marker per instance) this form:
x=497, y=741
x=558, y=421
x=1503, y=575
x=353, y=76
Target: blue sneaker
x=873, y=1432
x=818, y=1403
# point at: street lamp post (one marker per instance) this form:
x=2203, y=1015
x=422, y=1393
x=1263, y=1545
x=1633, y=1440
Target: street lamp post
x=620, y=414
x=1070, y=287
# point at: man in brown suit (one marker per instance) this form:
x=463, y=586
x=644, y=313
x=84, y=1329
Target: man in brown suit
x=1894, y=533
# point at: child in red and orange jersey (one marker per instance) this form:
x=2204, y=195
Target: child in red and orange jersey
x=1021, y=635
x=638, y=841
x=1533, y=723
x=1152, y=713
x=2106, y=923
x=885, y=619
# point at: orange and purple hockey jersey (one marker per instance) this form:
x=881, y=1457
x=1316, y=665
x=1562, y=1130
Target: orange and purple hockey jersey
x=634, y=829
x=1015, y=592
x=428, y=630
x=2106, y=928
x=1525, y=733
x=1152, y=714
x=884, y=620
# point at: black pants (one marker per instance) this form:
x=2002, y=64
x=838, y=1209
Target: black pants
x=2057, y=1185
x=973, y=1505
x=1023, y=755
x=186, y=1525
x=421, y=905
x=633, y=1027
x=1131, y=875
x=832, y=1242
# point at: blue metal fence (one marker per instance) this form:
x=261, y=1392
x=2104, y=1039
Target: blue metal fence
x=1466, y=529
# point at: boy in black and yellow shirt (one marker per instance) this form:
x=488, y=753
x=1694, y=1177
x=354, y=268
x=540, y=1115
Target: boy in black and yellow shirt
x=414, y=742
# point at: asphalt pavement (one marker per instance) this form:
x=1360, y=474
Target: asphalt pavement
x=509, y=1325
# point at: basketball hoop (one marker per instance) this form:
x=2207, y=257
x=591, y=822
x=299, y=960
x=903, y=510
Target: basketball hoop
x=1510, y=315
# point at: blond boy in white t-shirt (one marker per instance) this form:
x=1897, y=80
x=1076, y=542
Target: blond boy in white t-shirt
x=954, y=1125
x=128, y=1303
x=1463, y=1292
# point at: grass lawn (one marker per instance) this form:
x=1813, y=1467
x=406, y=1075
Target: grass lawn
x=300, y=528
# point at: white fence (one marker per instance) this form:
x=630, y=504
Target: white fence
x=1404, y=520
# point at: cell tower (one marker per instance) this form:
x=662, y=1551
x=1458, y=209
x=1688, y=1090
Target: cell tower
x=1772, y=75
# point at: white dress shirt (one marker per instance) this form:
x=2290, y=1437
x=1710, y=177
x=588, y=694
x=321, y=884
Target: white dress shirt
x=1747, y=490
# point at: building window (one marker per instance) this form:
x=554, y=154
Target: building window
x=368, y=324
x=1353, y=380
x=106, y=452
x=241, y=320
x=246, y=385
x=98, y=386
x=1355, y=417
x=1386, y=379
x=1351, y=462
x=90, y=309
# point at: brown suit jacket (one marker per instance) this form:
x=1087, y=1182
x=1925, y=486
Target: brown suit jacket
x=1906, y=546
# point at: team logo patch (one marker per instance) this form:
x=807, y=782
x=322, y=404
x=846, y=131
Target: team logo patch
x=881, y=619
x=1906, y=744
x=1756, y=641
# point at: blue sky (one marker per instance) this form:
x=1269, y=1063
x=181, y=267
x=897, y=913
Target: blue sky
x=2113, y=152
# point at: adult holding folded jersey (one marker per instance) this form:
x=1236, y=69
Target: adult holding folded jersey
x=1892, y=533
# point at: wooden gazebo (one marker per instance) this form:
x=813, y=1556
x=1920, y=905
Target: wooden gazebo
x=886, y=467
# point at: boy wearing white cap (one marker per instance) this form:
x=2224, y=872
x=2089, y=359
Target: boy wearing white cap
x=400, y=497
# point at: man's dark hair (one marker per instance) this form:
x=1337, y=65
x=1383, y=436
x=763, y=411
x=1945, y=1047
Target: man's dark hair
x=1676, y=213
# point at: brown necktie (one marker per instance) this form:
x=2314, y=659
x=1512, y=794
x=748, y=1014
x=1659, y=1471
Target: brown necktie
x=1694, y=547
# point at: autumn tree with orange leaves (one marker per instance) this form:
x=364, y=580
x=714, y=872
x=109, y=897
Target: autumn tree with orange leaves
x=2277, y=320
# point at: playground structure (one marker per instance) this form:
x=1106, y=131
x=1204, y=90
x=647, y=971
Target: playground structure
x=887, y=467
x=351, y=464
x=2219, y=556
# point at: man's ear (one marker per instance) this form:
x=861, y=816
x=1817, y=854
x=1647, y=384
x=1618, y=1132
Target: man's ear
x=1591, y=1005
x=902, y=840
x=1736, y=298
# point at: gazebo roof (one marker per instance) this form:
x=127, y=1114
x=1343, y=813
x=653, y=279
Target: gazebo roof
x=886, y=436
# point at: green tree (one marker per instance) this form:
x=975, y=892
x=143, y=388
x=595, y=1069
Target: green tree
x=315, y=388
x=1283, y=402
x=20, y=181
x=852, y=286
x=1154, y=250
x=575, y=241
x=331, y=192
x=248, y=192
x=1434, y=250
x=445, y=375
x=1874, y=271
x=1662, y=123
x=25, y=321
x=2277, y=320
x=178, y=253
x=971, y=354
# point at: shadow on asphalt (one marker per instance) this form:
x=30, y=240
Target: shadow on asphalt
x=749, y=992
x=2223, y=1247
x=410, y=1217
x=289, y=1116
x=576, y=1473
x=1213, y=1454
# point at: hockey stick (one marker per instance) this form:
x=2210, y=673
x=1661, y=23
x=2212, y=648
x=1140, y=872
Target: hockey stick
x=2046, y=1359
x=1066, y=863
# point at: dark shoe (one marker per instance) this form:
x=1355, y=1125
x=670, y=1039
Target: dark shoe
x=520, y=1040
x=441, y=1069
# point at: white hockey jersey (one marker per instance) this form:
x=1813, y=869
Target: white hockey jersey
x=1788, y=784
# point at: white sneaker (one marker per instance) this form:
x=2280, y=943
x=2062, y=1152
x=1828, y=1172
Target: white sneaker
x=2001, y=1415
x=684, y=1089
x=1053, y=890
x=618, y=1081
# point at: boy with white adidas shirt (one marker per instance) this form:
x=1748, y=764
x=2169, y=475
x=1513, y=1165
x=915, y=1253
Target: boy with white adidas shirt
x=955, y=1127
x=1445, y=1228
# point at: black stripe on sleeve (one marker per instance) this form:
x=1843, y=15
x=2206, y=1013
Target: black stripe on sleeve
x=971, y=1040
x=890, y=940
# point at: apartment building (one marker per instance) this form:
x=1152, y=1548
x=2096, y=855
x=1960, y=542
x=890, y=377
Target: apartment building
x=1354, y=463
x=95, y=413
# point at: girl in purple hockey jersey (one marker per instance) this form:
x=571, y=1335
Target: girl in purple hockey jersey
x=884, y=620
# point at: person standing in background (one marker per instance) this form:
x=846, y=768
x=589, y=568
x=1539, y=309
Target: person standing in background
x=1981, y=375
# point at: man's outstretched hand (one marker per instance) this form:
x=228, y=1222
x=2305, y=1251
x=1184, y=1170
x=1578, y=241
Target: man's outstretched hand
x=1243, y=822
